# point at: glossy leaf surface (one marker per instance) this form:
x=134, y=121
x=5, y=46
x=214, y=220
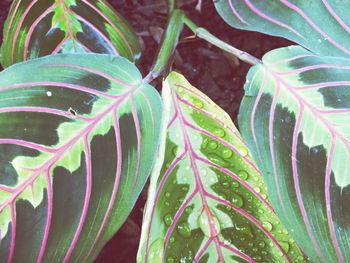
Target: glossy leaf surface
x=207, y=202
x=295, y=118
x=36, y=28
x=322, y=26
x=78, y=135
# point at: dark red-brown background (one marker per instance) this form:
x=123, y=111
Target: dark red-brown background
x=205, y=66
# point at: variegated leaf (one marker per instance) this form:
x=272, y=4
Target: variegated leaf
x=207, y=201
x=35, y=28
x=78, y=135
x=295, y=117
x=322, y=26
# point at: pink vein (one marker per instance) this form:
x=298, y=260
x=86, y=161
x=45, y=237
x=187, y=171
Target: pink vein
x=44, y=110
x=13, y=232
x=314, y=26
x=18, y=28
x=334, y=14
x=86, y=201
x=272, y=144
x=138, y=136
x=160, y=187
x=313, y=67
x=31, y=30
x=49, y=216
x=270, y=19
x=94, y=71
x=328, y=201
x=237, y=252
x=251, y=219
x=113, y=26
x=97, y=31
x=202, y=250
x=27, y=144
x=234, y=11
x=296, y=183
x=12, y=12
x=59, y=85
x=116, y=183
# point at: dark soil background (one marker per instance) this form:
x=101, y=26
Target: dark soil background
x=217, y=74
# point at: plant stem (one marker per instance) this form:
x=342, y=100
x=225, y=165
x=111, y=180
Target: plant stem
x=171, y=5
x=168, y=45
x=206, y=35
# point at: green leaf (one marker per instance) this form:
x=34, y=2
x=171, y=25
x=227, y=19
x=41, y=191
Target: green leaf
x=38, y=28
x=78, y=136
x=207, y=201
x=322, y=26
x=295, y=117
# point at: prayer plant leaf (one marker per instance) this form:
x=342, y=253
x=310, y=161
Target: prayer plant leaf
x=207, y=201
x=78, y=136
x=36, y=28
x=322, y=26
x=295, y=117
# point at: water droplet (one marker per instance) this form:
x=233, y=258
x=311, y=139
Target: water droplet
x=219, y=132
x=156, y=251
x=213, y=145
x=205, y=143
x=243, y=151
x=188, y=210
x=184, y=188
x=208, y=223
x=225, y=184
x=167, y=194
x=170, y=260
x=257, y=189
x=171, y=239
x=227, y=153
x=243, y=175
x=198, y=103
x=267, y=226
x=174, y=151
x=237, y=200
x=168, y=219
x=261, y=244
x=184, y=230
x=235, y=184
x=49, y=93
x=218, y=160
x=257, y=258
x=245, y=229
x=284, y=246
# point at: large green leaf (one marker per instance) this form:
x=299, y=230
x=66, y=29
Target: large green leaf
x=295, y=118
x=322, y=26
x=207, y=201
x=78, y=135
x=36, y=28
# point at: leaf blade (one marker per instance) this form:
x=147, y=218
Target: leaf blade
x=89, y=164
x=201, y=188
x=320, y=26
x=39, y=28
x=299, y=105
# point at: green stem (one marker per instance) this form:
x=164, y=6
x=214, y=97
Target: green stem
x=168, y=45
x=171, y=5
x=206, y=35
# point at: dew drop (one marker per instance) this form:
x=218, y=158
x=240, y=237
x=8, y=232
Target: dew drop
x=243, y=151
x=188, y=210
x=227, y=153
x=218, y=160
x=184, y=230
x=213, y=145
x=167, y=194
x=170, y=260
x=49, y=93
x=284, y=246
x=171, y=239
x=261, y=244
x=168, y=219
x=237, y=200
x=235, y=184
x=245, y=229
x=198, y=103
x=156, y=251
x=225, y=185
x=219, y=132
x=205, y=143
x=243, y=175
x=267, y=225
